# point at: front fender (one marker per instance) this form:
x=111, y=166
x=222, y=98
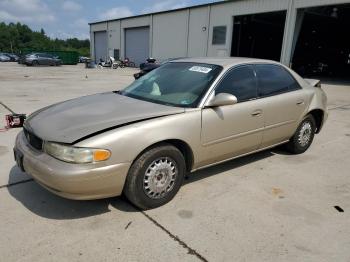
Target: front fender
x=127, y=142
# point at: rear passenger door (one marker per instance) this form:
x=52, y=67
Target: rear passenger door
x=42, y=59
x=48, y=59
x=284, y=102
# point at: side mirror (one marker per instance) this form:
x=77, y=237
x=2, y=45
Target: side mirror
x=222, y=99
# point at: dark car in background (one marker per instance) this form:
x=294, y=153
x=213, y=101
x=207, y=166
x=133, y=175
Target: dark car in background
x=150, y=65
x=8, y=57
x=36, y=59
x=83, y=59
x=13, y=57
x=4, y=58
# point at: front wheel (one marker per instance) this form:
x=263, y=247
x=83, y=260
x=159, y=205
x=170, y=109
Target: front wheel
x=303, y=137
x=155, y=177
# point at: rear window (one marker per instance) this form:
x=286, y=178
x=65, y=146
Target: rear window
x=273, y=79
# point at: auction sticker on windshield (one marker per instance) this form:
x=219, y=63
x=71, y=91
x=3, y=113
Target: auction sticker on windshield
x=200, y=69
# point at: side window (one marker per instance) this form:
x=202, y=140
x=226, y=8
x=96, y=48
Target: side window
x=240, y=82
x=273, y=80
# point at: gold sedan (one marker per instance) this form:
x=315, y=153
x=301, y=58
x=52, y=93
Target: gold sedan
x=185, y=115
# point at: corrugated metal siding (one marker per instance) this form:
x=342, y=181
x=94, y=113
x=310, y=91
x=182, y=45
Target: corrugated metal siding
x=245, y=7
x=310, y=3
x=198, y=32
x=179, y=33
x=114, y=35
x=170, y=35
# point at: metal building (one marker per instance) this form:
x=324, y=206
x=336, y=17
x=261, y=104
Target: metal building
x=310, y=35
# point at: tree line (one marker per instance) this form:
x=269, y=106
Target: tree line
x=17, y=37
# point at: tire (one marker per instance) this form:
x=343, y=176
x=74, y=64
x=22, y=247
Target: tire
x=132, y=64
x=303, y=136
x=145, y=177
x=35, y=63
x=114, y=66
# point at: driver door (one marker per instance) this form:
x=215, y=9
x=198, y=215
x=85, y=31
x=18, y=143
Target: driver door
x=232, y=130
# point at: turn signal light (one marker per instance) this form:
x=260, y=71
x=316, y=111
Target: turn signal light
x=101, y=155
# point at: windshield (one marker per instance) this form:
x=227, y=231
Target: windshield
x=177, y=84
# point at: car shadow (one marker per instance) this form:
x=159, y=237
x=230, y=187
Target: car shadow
x=226, y=166
x=46, y=204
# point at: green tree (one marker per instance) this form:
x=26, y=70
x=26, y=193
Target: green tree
x=17, y=37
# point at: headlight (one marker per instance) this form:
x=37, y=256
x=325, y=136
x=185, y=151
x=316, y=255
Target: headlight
x=76, y=154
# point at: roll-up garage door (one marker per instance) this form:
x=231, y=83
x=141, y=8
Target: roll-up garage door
x=137, y=44
x=100, y=45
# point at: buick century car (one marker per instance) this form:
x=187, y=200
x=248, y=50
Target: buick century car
x=185, y=115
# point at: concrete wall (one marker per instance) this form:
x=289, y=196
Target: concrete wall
x=189, y=32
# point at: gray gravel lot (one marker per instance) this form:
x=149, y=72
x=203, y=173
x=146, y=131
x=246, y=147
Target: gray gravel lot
x=269, y=206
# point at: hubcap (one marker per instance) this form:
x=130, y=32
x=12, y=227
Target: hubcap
x=305, y=134
x=159, y=178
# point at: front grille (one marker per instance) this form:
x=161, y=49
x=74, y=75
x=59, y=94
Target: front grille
x=33, y=140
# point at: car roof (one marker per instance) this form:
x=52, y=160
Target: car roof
x=223, y=61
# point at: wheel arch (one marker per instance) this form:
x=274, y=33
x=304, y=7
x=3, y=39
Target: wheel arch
x=181, y=145
x=318, y=115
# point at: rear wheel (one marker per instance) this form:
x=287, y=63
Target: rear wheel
x=303, y=137
x=155, y=177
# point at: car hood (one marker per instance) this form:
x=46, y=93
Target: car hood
x=69, y=121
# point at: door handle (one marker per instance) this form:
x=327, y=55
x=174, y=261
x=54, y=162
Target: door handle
x=257, y=113
x=300, y=102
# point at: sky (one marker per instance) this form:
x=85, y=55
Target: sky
x=69, y=18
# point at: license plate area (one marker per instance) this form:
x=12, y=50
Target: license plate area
x=18, y=158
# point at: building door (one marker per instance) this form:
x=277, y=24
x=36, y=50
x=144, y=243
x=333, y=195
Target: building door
x=258, y=35
x=137, y=44
x=100, y=45
x=322, y=46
